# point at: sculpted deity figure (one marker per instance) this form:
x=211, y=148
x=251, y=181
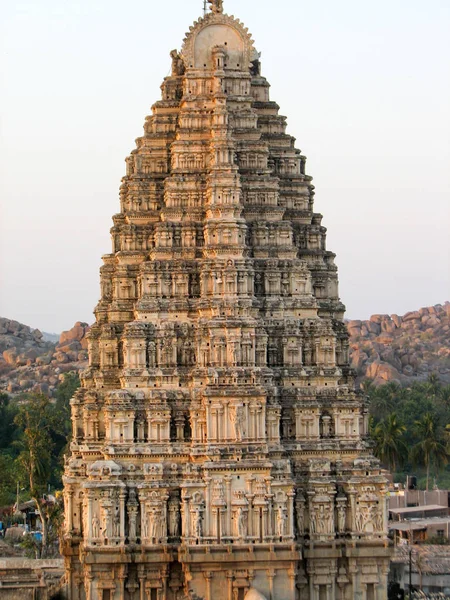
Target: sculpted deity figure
x=152, y=525
x=324, y=521
x=177, y=64
x=95, y=527
x=341, y=517
x=116, y=522
x=197, y=523
x=132, y=513
x=363, y=518
x=281, y=522
x=341, y=511
x=174, y=518
x=238, y=419
x=300, y=512
x=106, y=522
x=241, y=523
x=216, y=6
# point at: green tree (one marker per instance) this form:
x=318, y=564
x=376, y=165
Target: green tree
x=430, y=447
x=390, y=446
x=7, y=479
x=8, y=431
x=35, y=454
x=444, y=396
x=434, y=384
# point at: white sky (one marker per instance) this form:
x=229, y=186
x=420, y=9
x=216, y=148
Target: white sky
x=366, y=89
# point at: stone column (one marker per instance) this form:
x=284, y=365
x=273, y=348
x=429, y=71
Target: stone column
x=290, y=515
x=142, y=579
x=208, y=506
x=122, y=496
x=292, y=581
x=90, y=499
x=228, y=480
x=89, y=585
x=220, y=424
x=187, y=518
x=225, y=431
x=122, y=577
x=270, y=576
x=230, y=584
x=69, y=521
x=208, y=576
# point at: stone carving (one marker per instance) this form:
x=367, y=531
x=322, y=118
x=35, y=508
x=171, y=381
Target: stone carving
x=255, y=68
x=197, y=523
x=321, y=518
x=238, y=420
x=300, y=515
x=178, y=68
x=281, y=521
x=95, y=527
x=116, y=522
x=241, y=523
x=216, y=6
x=218, y=492
x=174, y=517
x=341, y=510
x=151, y=526
x=218, y=362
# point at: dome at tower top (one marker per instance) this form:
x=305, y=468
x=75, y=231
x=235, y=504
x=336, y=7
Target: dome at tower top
x=217, y=29
x=253, y=594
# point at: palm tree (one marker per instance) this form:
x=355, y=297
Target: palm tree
x=382, y=400
x=390, y=447
x=434, y=383
x=431, y=447
x=444, y=395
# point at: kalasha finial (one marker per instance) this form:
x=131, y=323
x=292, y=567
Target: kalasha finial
x=216, y=6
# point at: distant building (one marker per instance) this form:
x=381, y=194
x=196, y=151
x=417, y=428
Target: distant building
x=430, y=572
x=416, y=518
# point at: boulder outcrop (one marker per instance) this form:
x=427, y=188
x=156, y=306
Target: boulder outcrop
x=402, y=348
x=28, y=363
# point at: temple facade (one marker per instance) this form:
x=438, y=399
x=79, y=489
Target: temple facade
x=219, y=447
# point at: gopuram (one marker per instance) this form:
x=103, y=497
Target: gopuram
x=219, y=447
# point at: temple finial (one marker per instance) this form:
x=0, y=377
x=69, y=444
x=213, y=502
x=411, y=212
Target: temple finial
x=216, y=6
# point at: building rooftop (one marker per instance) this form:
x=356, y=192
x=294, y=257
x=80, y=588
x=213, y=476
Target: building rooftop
x=418, y=523
x=413, y=509
x=435, y=559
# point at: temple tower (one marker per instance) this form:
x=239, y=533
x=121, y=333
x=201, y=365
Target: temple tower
x=219, y=446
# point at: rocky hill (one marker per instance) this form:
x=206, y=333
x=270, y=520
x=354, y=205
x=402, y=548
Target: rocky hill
x=28, y=363
x=384, y=348
x=402, y=348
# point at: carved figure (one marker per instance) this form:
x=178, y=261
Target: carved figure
x=174, y=519
x=281, y=522
x=132, y=513
x=238, y=420
x=106, y=522
x=197, y=523
x=341, y=518
x=216, y=6
x=177, y=64
x=152, y=525
x=300, y=509
x=95, y=527
x=116, y=523
x=241, y=523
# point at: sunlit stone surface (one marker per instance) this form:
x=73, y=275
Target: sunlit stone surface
x=219, y=447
